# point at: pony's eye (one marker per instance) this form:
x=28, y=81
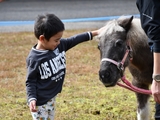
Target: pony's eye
x=118, y=43
x=98, y=46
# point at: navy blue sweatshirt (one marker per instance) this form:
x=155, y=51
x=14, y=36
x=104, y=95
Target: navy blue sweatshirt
x=46, y=69
x=150, y=20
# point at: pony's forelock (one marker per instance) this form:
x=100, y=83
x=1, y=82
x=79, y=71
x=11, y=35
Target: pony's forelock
x=110, y=28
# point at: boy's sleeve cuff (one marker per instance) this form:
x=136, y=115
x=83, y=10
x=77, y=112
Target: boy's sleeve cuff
x=90, y=36
x=31, y=100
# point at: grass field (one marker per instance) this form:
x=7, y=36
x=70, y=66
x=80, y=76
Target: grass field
x=83, y=97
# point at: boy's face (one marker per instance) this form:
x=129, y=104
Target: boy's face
x=53, y=42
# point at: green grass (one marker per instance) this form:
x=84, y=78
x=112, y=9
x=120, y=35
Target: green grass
x=83, y=97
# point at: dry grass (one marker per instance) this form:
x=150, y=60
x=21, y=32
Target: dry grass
x=83, y=96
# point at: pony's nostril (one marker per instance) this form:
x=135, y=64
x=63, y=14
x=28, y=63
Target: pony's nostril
x=104, y=74
x=107, y=75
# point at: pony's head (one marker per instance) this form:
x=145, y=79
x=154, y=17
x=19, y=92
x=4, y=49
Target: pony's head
x=114, y=50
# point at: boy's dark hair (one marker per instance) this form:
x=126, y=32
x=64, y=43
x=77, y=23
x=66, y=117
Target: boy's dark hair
x=47, y=25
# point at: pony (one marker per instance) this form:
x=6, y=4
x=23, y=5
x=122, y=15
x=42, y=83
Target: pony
x=119, y=36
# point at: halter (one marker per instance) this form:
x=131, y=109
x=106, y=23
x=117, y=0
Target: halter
x=120, y=66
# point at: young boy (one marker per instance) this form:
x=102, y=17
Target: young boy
x=46, y=64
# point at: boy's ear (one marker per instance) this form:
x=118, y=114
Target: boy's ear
x=41, y=38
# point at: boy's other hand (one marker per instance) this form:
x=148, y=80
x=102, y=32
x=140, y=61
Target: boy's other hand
x=32, y=106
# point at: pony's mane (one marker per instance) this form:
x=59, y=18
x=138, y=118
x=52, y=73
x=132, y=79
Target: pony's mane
x=136, y=35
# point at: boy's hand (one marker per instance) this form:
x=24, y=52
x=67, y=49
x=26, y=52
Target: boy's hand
x=97, y=32
x=32, y=106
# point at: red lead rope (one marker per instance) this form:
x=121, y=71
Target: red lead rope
x=133, y=88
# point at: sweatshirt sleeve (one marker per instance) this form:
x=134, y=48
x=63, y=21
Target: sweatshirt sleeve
x=31, y=80
x=150, y=20
x=76, y=39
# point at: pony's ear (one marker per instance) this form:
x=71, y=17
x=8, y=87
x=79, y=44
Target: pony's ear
x=125, y=22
